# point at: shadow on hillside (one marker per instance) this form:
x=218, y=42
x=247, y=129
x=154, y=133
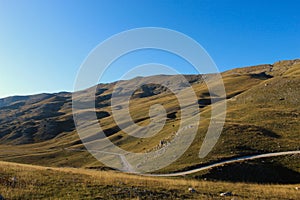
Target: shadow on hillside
x=261, y=76
x=239, y=129
x=253, y=173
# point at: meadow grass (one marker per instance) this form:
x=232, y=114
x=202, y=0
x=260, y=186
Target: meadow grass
x=36, y=182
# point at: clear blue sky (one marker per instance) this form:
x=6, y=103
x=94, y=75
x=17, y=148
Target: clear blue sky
x=43, y=43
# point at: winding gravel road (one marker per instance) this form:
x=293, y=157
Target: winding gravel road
x=128, y=167
x=221, y=163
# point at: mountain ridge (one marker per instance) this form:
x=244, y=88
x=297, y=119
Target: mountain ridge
x=262, y=116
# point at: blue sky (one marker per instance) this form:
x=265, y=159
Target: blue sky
x=43, y=43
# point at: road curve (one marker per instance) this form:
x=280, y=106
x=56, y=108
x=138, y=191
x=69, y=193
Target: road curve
x=233, y=160
x=129, y=169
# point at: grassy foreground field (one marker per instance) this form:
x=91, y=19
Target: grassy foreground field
x=36, y=182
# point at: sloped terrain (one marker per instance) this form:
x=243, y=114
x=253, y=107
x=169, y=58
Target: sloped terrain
x=19, y=181
x=263, y=110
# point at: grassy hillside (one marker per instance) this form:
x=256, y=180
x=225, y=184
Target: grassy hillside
x=18, y=181
x=263, y=110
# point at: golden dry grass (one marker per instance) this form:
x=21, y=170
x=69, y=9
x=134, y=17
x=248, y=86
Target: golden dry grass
x=262, y=116
x=36, y=182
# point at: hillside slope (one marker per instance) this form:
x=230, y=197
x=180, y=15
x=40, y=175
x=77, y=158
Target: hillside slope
x=263, y=110
x=35, y=182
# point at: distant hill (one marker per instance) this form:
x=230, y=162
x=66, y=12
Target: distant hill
x=263, y=112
